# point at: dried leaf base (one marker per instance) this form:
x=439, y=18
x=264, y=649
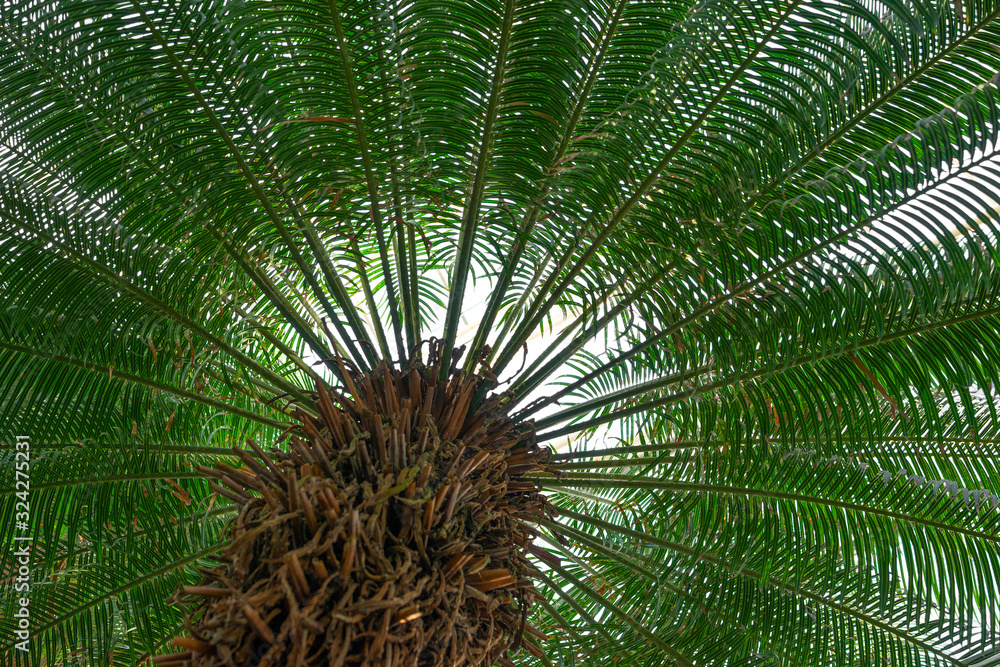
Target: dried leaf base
x=392, y=532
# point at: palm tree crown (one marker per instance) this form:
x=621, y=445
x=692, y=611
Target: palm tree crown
x=735, y=265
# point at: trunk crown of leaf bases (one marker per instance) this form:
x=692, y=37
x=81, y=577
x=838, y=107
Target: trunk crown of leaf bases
x=391, y=532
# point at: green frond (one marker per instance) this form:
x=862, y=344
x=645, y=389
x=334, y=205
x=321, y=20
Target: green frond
x=737, y=264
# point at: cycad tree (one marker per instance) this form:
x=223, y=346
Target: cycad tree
x=546, y=332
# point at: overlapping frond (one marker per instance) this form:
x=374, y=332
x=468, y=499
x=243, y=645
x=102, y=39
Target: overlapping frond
x=743, y=258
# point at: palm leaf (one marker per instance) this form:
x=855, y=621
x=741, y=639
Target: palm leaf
x=738, y=263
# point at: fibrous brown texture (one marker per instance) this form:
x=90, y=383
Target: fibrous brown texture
x=393, y=531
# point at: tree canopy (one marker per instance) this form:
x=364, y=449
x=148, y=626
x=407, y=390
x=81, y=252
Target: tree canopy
x=737, y=264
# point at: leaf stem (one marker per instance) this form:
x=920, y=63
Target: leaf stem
x=373, y=194
x=470, y=217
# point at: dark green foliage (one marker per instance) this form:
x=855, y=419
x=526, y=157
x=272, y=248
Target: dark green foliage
x=747, y=253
